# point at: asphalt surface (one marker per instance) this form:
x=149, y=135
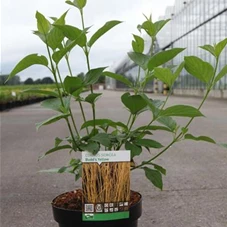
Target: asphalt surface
x=195, y=188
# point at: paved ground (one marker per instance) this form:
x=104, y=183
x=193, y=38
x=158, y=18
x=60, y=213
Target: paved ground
x=195, y=189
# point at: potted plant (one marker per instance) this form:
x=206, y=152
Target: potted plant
x=96, y=135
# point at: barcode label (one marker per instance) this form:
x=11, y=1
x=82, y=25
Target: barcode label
x=89, y=208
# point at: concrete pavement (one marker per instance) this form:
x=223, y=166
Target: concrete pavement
x=195, y=188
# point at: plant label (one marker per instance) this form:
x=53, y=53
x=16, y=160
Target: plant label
x=106, y=185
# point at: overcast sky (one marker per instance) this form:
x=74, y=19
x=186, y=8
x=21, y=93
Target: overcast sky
x=18, y=21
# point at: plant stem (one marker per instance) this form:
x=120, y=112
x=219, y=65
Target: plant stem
x=70, y=111
x=156, y=117
x=138, y=81
x=59, y=92
x=129, y=119
x=74, y=124
x=86, y=51
x=59, y=76
x=69, y=67
x=80, y=103
x=83, y=115
x=55, y=76
x=137, y=88
x=187, y=125
x=151, y=50
x=133, y=121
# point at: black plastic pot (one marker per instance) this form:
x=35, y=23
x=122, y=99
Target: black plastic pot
x=71, y=218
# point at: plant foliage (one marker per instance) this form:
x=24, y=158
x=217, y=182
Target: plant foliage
x=60, y=39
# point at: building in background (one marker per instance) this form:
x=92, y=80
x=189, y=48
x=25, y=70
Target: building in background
x=193, y=23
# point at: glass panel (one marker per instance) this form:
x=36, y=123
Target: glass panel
x=187, y=30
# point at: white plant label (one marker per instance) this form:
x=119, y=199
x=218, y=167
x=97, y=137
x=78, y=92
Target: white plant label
x=106, y=156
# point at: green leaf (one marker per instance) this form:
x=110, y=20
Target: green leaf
x=157, y=103
x=63, y=169
x=150, y=104
x=200, y=69
x=140, y=59
x=78, y=175
x=159, y=168
x=159, y=25
x=118, y=77
x=153, y=128
x=98, y=122
x=73, y=84
x=119, y=124
x=32, y=59
x=221, y=74
x=181, y=111
x=41, y=91
x=51, y=120
x=209, y=48
x=40, y=35
x=149, y=27
x=165, y=75
x=56, y=36
x=54, y=18
x=73, y=33
x=163, y=57
x=55, y=104
x=138, y=44
x=80, y=4
x=77, y=93
x=184, y=130
x=140, y=134
x=200, y=138
x=105, y=28
x=135, y=150
x=103, y=123
x=220, y=47
x=58, y=141
x=148, y=143
x=61, y=19
x=154, y=176
x=102, y=138
x=43, y=24
x=93, y=76
x=59, y=148
x=91, y=147
x=75, y=162
x=58, y=55
x=92, y=98
x=135, y=103
x=70, y=3
x=178, y=70
x=168, y=122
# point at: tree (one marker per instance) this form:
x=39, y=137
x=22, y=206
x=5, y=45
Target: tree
x=47, y=80
x=14, y=81
x=29, y=81
x=38, y=81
